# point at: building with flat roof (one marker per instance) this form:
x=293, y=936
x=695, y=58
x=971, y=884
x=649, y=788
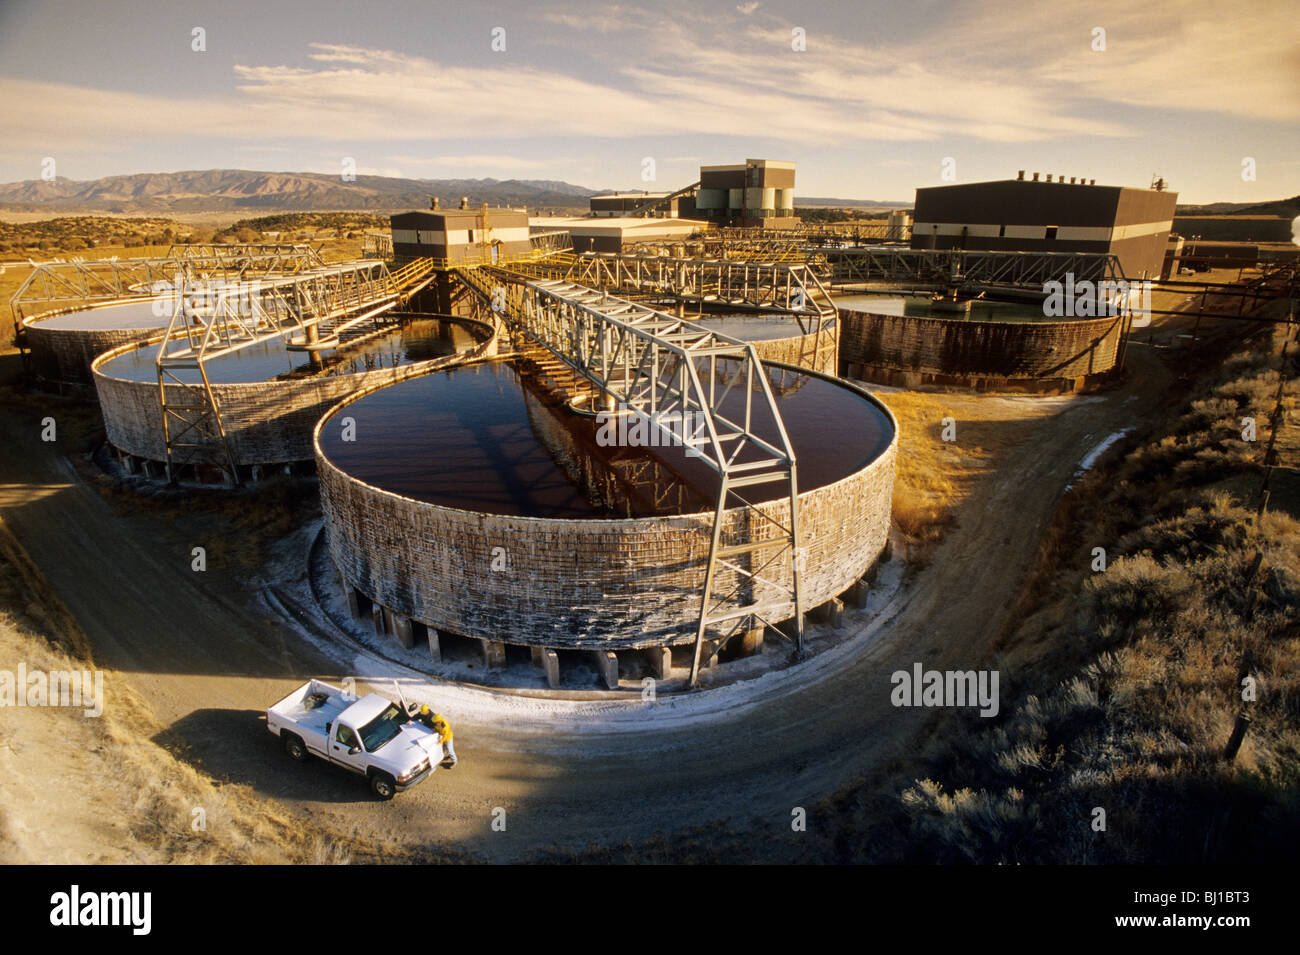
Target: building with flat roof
x=617, y=233
x=1033, y=215
x=460, y=236
x=755, y=193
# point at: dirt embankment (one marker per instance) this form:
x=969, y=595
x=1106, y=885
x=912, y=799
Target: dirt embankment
x=80, y=787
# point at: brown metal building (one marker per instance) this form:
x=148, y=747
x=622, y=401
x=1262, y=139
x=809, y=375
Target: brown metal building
x=1045, y=216
x=460, y=236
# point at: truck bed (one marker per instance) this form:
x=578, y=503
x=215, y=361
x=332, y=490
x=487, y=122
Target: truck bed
x=293, y=708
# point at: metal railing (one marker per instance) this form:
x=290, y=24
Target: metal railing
x=111, y=279
x=377, y=245
x=758, y=286
x=947, y=267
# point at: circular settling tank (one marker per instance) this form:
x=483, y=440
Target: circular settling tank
x=779, y=338
x=908, y=340
x=475, y=501
x=65, y=344
x=271, y=396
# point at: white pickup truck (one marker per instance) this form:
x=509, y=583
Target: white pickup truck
x=370, y=736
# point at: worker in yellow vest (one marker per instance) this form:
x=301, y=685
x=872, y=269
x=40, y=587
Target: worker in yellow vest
x=438, y=723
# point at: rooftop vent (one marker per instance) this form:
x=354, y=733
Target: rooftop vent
x=433, y=202
x=1049, y=177
x=1035, y=177
x=1020, y=176
x=464, y=202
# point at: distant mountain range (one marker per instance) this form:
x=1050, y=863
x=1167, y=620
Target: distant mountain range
x=1290, y=208
x=236, y=190
x=819, y=202
x=239, y=189
x=216, y=190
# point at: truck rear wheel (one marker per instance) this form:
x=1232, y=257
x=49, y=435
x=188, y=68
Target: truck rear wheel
x=295, y=747
x=383, y=785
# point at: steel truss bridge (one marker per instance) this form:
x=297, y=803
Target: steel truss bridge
x=669, y=371
x=211, y=318
x=828, y=233
x=968, y=269
x=900, y=265
x=767, y=287
x=105, y=280
x=761, y=245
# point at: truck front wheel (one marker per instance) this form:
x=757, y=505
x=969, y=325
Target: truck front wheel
x=383, y=786
x=295, y=748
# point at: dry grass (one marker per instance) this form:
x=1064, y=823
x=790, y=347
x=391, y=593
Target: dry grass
x=934, y=477
x=1131, y=682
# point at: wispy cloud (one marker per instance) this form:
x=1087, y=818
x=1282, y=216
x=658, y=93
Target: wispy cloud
x=976, y=73
x=479, y=163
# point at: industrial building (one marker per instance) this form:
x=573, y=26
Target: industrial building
x=617, y=233
x=461, y=236
x=756, y=193
x=1042, y=215
x=644, y=204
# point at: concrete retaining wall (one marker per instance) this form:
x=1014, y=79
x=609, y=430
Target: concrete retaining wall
x=267, y=422
x=607, y=584
x=908, y=350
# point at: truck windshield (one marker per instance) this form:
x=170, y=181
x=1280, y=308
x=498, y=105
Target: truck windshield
x=382, y=728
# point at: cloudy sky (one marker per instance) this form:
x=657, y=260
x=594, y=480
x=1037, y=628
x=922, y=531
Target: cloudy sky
x=879, y=97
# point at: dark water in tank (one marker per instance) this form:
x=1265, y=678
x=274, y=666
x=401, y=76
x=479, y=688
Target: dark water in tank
x=486, y=438
x=415, y=340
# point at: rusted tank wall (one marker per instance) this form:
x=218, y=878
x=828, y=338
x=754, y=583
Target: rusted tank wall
x=266, y=422
x=610, y=584
x=909, y=350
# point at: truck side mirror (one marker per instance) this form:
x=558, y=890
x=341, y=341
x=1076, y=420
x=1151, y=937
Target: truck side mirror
x=352, y=751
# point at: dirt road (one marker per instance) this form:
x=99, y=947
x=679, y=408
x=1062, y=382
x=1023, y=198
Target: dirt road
x=209, y=658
